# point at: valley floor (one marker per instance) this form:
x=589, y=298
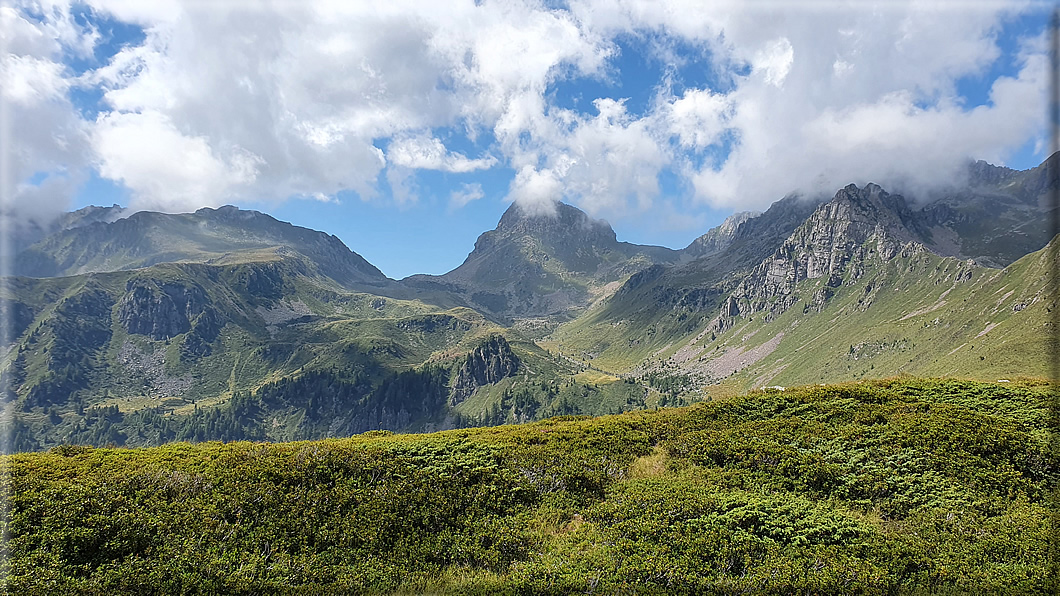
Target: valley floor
x=882, y=487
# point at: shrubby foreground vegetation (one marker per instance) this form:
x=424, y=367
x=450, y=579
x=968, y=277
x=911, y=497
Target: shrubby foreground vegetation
x=883, y=487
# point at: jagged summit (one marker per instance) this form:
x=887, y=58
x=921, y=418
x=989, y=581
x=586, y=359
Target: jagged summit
x=873, y=207
x=544, y=264
x=983, y=173
x=568, y=234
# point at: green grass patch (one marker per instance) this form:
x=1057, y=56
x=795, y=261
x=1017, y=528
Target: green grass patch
x=895, y=486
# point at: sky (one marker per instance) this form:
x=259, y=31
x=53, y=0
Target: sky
x=406, y=128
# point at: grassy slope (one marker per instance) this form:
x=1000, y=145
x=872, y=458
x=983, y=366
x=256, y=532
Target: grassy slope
x=917, y=319
x=310, y=325
x=882, y=487
x=908, y=315
x=346, y=326
x=345, y=330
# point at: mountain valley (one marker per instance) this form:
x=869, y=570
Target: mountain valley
x=228, y=324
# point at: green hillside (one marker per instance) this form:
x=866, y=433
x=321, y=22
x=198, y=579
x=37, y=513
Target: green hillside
x=900, y=486
x=918, y=314
x=266, y=350
x=885, y=307
x=227, y=324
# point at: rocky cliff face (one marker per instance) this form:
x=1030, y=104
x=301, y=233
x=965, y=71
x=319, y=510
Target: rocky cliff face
x=490, y=362
x=995, y=216
x=835, y=241
x=160, y=310
x=700, y=285
x=981, y=173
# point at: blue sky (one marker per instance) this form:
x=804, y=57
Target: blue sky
x=407, y=130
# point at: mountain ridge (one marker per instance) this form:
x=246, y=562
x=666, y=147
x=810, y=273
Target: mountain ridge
x=208, y=235
x=228, y=324
x=544, y=265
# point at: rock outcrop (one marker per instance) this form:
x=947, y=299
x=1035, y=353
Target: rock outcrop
x=161, y=310
x=833, y=244
x=492, y=361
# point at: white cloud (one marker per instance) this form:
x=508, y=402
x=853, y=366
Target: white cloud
x=536, y=190
x=428, y=153
x=889, y=114
x=609, y=164
x=165, y=169
x=465, y=194
x=698, y=117
x=229, y=100
x=44, y=138
x=28, y=80
x=774, y=61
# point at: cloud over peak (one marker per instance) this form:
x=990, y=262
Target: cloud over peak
x=229, y=101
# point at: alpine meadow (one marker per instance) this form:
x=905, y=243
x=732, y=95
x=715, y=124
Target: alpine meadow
x=826, y=365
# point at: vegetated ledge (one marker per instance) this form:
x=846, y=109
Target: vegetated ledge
x=876, y=487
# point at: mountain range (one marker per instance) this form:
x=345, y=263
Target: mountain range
x=229, y=324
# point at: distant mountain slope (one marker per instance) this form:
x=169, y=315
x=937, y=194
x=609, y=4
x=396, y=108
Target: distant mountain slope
x=718, y=238
x=27, y=232
x=214, y=236
x=914, y=313
x=267, y=350
x=535, y=265
x=996, y=217
x=993, y=218
x=230, y=324
x=853, y=292
x=662, y=303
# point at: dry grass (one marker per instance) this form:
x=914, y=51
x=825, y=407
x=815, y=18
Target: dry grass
x=650, y=466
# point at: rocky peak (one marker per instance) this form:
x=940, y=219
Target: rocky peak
x=862, y=212
x=981, y=173
x=26, y=232
x=89, y=215
x=832, y=244
x=545, y=264
x=568, y=225
x=524, y=242
x=719, y=237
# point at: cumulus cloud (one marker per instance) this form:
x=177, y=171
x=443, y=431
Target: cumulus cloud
x=536, y=190
x=228, y=101
x=888, y=114
x=465, y=194
x=604, y=162
x=166, y=169
x=428, y=153
x=45, y=140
